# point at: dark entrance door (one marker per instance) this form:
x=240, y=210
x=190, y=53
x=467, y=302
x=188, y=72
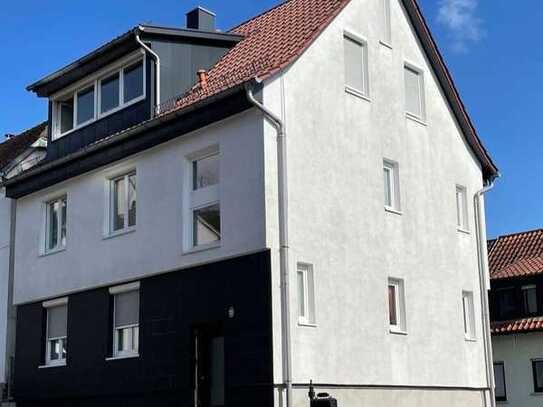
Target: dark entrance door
x=209, y=365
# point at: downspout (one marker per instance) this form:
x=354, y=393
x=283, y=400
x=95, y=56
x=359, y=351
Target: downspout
x=157, y=62
x=482, y=255
x=283, y=239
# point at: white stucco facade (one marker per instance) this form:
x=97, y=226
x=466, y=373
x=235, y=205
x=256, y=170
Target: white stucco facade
x=337, y=222
x=516, y=352
x=5, y=233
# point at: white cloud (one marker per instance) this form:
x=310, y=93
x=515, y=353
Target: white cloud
x=460, y=18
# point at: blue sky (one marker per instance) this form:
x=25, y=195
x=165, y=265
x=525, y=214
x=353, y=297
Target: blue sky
x=491, y=48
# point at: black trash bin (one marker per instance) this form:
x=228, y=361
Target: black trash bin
x=324, y=400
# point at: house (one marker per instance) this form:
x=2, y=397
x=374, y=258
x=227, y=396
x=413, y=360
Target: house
x=17, y=154
x=223, y=217
x=516, y=300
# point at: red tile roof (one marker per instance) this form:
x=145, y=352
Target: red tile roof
x=12, y=148
x=517, y=326
x=517, y=255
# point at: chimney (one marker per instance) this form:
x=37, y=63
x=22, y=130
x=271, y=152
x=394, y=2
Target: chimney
x=201, y=19
x=202, y=78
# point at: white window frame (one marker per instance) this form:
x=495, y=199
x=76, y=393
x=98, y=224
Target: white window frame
x=462, y=211
x=110, y=204
x=387, y=23
x=60, y=302
x=47, y=224
x=117, y=354
x=422, y=93
x=400, y=308
x=468, y=314
x=94, y=81
x=309, y=318
x=200, y=199
x=360, y=40
x=393, y=168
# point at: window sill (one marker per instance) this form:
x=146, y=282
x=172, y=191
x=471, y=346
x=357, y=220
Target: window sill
x=415, y=119
x=119, y=233
x=306, y=325
x=464, y=231
x=398, y=332
x=52, y=365
x=385, y=44
x=393, y=211
x=203, y=248
x=471, y=340
x=121, y=357
x=52, y=252
x=357, y=93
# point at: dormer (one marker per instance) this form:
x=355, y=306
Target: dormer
x=117, y=86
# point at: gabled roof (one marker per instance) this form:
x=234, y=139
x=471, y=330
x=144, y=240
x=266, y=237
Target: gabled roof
x=16, y=145
x=523, y=325
x=516, y=255
x=274, y=40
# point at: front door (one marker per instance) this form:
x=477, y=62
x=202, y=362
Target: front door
x=209, y=366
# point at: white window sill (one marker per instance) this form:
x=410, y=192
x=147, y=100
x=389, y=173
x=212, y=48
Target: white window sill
x=385, y=44
x=203, y=248
x=400, y=332
x=392, y=210
x=118, y=233
x=472, y=340
x=416, y=119
x=357, y=93
x=52, y=365
x=52, y=252
x=121, y=357
x=462, y=230
x=306, y=325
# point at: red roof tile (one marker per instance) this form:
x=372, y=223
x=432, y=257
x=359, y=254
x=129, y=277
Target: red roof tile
x=10, y=149
x=517, y=255
x=517, y=326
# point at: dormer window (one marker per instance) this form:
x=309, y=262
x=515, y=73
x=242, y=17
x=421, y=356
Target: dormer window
x=105, y=93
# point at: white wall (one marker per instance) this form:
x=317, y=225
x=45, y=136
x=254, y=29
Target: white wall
x=157, y=244
x=517, y=352
x=337, y=221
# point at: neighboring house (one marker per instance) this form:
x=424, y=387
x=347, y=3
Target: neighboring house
x=207, y=250
x=17, y=154
x=516, y=299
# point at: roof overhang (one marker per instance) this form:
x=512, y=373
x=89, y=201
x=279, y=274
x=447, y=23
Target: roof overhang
x=117, y=48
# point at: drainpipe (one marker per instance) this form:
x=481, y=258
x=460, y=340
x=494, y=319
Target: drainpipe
x=283, y=238
x=157, y=61
x=482, y=255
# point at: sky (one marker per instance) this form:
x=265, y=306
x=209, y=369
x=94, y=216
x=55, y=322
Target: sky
x=492, y=49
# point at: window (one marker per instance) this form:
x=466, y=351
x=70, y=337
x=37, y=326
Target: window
x=392, y=185
x=414, y=92
x=507, y=303
x=126, y=317
x=387, y=22
x=106, y=94
x=499, y=378
x=529, y=299
x=55, y=224
x=306, y=295
x=469, y=314
x=123, y=194
x=538, y=375
x=396, y=306
x=462, y=222
x=56, y=332
x=205, y=204
x=356, y=65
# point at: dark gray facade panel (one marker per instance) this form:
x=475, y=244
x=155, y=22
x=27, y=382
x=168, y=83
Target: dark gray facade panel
x=171, y=306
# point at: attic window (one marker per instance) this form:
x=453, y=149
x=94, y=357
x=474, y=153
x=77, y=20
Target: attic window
x=105, y=93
